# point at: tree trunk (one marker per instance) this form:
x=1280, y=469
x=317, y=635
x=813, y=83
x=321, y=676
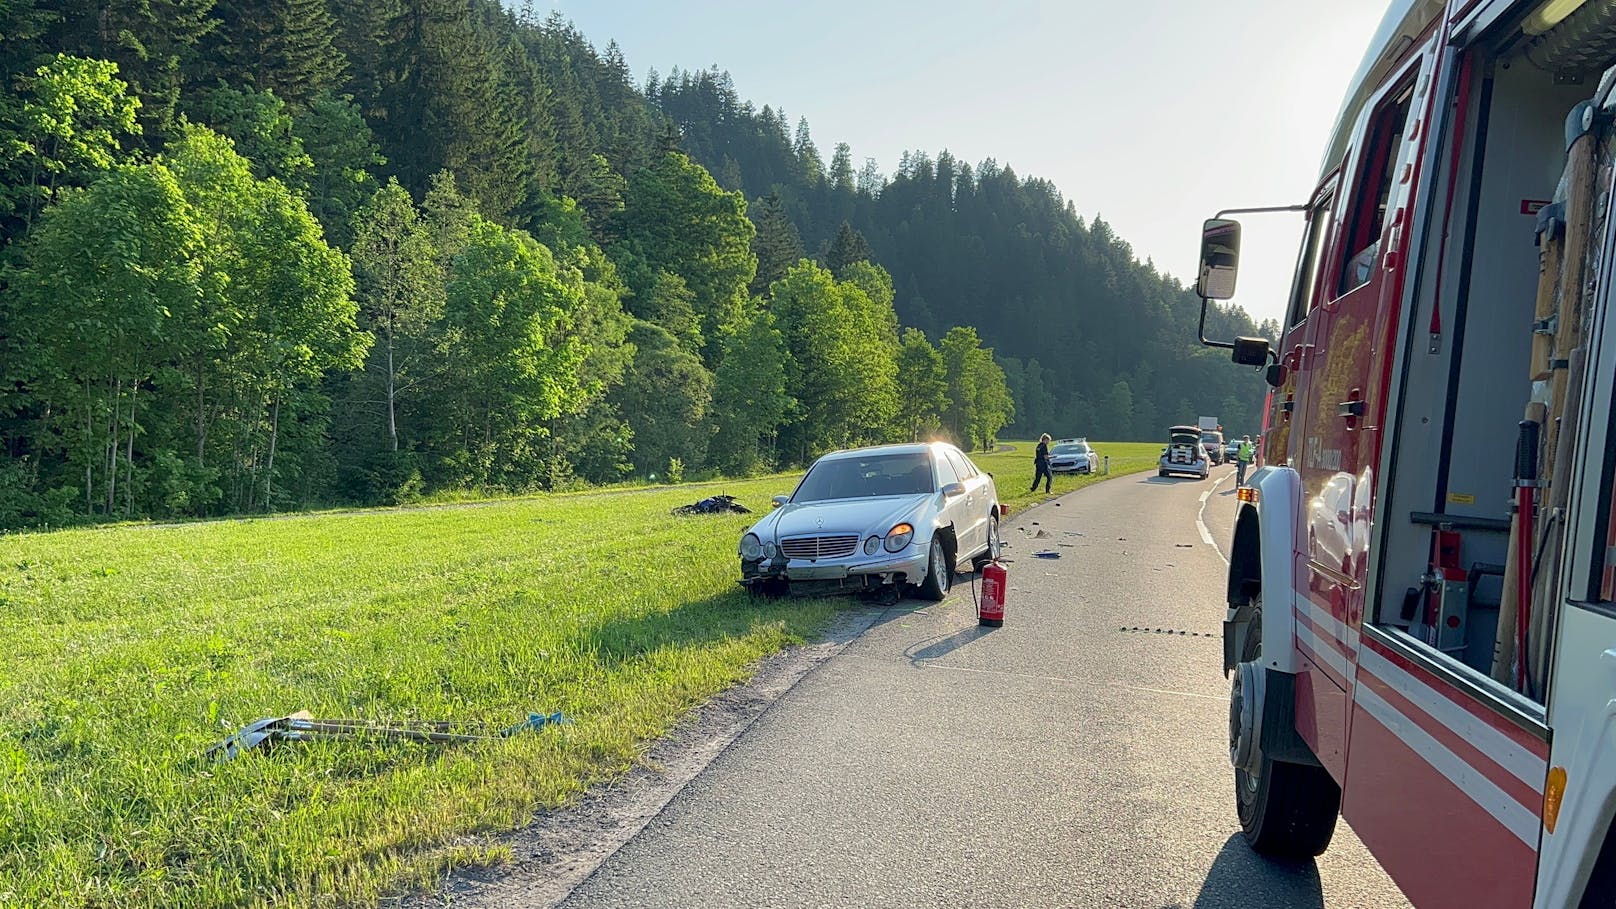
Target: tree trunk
x=392, y=420
x=112, y=446
x=89, y=453
x=269, y=463
x=201, y=417
x=129, y=457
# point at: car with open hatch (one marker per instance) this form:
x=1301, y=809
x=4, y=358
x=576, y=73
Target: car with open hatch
x=1184, y=454
x=891, y=518
x=1071, y=456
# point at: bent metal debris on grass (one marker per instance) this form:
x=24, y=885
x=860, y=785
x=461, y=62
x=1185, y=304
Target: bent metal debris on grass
x=301, y=727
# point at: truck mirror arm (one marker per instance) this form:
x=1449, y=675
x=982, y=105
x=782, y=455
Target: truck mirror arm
x=1260, y=210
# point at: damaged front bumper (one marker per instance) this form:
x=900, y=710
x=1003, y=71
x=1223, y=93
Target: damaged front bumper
x=830, y=576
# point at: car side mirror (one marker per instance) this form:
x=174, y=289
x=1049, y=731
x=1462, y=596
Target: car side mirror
x=1250, y=351
x=1277, y=374
x=781, y=500
x=953, y=490
x=1220, y=259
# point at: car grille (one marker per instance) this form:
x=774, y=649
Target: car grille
x=819, y=547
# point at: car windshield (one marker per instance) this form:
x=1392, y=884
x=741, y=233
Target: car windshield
x=1210, y=437
x=904, y=474
x=1067, y=449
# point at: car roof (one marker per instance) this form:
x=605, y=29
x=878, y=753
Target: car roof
x=905, y=448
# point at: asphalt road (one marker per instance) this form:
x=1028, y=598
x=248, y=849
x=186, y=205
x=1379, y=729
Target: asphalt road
x=1063, y=760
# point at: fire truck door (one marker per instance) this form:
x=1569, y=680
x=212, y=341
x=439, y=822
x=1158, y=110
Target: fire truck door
x=1346, y=397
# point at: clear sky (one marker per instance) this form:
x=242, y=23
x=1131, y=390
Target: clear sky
x=1151, y=113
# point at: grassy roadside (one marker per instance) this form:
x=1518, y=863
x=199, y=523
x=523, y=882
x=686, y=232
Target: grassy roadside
x=1012, y=470
x=131, y=649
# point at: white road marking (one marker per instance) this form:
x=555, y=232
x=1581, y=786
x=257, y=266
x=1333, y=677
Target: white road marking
x=1200, y=518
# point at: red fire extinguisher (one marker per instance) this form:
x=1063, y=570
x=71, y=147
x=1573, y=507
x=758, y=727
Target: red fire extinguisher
x=990, y=609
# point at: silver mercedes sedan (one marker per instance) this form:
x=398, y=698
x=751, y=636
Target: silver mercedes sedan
x=899, y=517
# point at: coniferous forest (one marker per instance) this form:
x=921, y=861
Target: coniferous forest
x=268, y=254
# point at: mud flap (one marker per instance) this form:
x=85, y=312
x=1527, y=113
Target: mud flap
x=1234, y=635
x=1280, y=740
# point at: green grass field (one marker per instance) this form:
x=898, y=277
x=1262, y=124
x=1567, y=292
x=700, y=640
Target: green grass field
x=132, y=649
x=1012, y=470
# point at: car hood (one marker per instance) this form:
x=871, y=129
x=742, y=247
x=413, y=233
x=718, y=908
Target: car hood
x=873, y=515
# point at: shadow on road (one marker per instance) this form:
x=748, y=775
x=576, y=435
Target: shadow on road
x=1240, y=878
x=1174, y=480
x=935, y=647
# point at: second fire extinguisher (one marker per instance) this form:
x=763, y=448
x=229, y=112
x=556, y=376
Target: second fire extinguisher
x=990, y=609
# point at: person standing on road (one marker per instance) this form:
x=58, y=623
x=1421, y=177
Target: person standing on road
x=1243, y=454
x=1040, y=463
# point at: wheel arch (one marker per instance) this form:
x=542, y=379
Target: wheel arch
x=1600, y=889
x=1244, y=584
x=945, y=532
x=1261, y=563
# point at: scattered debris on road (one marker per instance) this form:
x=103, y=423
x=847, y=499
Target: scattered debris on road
x=1047, y=554
x=301, y=727
x=1189, y=634
x=713, y=505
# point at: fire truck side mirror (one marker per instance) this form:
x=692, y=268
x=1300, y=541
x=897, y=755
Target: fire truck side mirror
x=1250, y=351
x=1277, y=374
x=1220, y=259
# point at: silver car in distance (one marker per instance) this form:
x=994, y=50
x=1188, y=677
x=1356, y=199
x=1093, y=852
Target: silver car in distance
x=891, y=517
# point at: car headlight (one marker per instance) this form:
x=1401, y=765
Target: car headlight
x=872, y=545
x=751, y=547
x=899, y=537
x=770, y=550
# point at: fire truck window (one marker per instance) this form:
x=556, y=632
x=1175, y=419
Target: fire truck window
x=1367, y=219
x=1307, y=263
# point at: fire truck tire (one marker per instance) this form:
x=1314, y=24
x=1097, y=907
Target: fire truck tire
x=939, y=574
x=1286, y=810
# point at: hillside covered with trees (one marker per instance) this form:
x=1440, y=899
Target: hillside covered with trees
x=258, y=254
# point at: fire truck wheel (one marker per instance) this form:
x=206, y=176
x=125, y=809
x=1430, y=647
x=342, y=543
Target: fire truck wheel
x=939, y=577
x=1286, y=810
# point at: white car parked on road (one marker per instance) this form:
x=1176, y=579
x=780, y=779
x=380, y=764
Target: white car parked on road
x=1184, y=453
x=893, y=516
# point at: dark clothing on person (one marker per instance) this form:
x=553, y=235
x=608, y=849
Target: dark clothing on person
x=1040, y=463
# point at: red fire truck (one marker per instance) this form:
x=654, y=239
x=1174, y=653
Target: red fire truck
x=1422, y=591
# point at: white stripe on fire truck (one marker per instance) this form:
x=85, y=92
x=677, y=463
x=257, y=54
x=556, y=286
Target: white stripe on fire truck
x=1326, y=622
x=1325, y=652
x=1514, y=816
x=1498, y=747
x=1516, y=759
